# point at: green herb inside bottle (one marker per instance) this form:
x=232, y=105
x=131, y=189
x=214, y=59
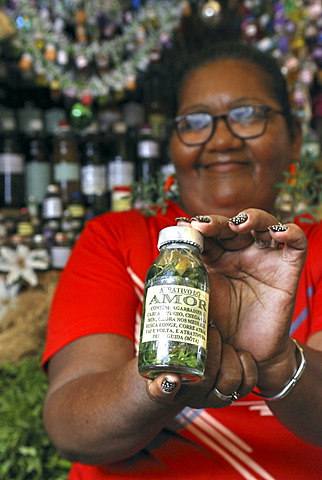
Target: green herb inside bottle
x=175, y=310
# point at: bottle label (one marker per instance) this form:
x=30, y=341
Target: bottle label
x=76, y=211
x=66, y=172
x=12, y=163
x=52, y=208
x=59, y=256
x=176, y=312
x=121, y=199
x=38, y=176
x=158, y=122
x=120, y=173
x=94, y=179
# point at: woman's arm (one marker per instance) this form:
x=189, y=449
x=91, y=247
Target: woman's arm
x=301, y=410
x=99, y=410
x=259, y=282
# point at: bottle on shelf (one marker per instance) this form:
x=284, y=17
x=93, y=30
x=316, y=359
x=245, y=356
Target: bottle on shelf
x=121, y=198
x=60, y=251
x=40, y=250
x=12, y=166
x=28, y=114
x=24, y=225
x=93, y=175
x=38, y=165
x=66, y=167
x=34, y=211
x=76, y=209
x=53, y=117
x=52, y=212
x=121, y=170
x=154, y=97
x=148, y=154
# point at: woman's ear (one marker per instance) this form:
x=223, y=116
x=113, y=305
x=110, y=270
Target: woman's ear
x=296, y=140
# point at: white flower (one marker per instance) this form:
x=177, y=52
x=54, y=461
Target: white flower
x=20, y=263
x=7, y=297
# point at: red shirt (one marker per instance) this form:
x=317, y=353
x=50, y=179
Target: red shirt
x=101, y=291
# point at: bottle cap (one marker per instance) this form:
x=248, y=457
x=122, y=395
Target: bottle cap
x=53, y=188
x=181, y=235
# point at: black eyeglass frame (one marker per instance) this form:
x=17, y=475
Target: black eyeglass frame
x=266, y=110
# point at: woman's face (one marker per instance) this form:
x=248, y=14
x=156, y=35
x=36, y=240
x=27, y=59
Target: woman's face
x=228, y=174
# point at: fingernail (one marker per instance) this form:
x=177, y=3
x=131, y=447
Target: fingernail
x=278, y=228
x=202, y=219
x=183, y=219
x=168, y=386
x=238, y=219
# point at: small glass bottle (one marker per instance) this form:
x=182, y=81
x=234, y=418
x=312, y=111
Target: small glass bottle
x=60, y=251
x=66, y=167
x=24, y=225
x=175, y=309
x=12, y=166
x=38, y=165
x=93, y=175
x=121, y=170
x=121, y=198
x=52, y=212
x=148, y=154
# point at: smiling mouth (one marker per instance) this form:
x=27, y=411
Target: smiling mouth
x=224, y=166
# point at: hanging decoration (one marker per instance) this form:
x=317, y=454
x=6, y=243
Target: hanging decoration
x=210, y=11
x=89, y=48
x=292, y=31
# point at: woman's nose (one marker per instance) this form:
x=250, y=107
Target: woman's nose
x=222, y=137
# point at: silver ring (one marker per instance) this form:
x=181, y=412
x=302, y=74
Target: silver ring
x=227, y=398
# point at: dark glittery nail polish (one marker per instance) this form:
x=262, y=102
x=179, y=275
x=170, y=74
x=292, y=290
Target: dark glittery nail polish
x=183, y=219
x=168, y=386
x=278, y=228
x=201, y=218
x=238, y=219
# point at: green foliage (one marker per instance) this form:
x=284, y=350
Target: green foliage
x=25, y=450
x=302, y=188
x=151, y=197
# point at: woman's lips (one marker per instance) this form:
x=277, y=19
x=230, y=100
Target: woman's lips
x=224, y=167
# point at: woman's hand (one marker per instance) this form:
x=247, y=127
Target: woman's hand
x=254, y=265
x=253, y=279
x=228, y=375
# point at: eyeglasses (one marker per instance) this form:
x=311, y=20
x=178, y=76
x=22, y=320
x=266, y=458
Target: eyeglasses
x=246, y=121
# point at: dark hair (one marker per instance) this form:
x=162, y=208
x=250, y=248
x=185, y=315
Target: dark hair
x=239, y=51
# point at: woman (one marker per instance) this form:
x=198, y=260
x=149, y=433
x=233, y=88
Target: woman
x=233, y=138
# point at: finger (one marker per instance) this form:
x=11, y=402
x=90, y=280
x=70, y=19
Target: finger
x=215, y=226
x=219, y=236
x=237, y=377
x=250, y=374
x=267, y=231
x=230, y=374
x=214, y=352
x=252, y=219
x=225, y=389
x=256, y=222
x=164, y=387
x=291, y=235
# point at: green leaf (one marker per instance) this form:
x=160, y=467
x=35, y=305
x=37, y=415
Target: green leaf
x=26, y=451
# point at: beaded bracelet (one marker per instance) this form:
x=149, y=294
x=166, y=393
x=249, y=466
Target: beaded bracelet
x=291, y=384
